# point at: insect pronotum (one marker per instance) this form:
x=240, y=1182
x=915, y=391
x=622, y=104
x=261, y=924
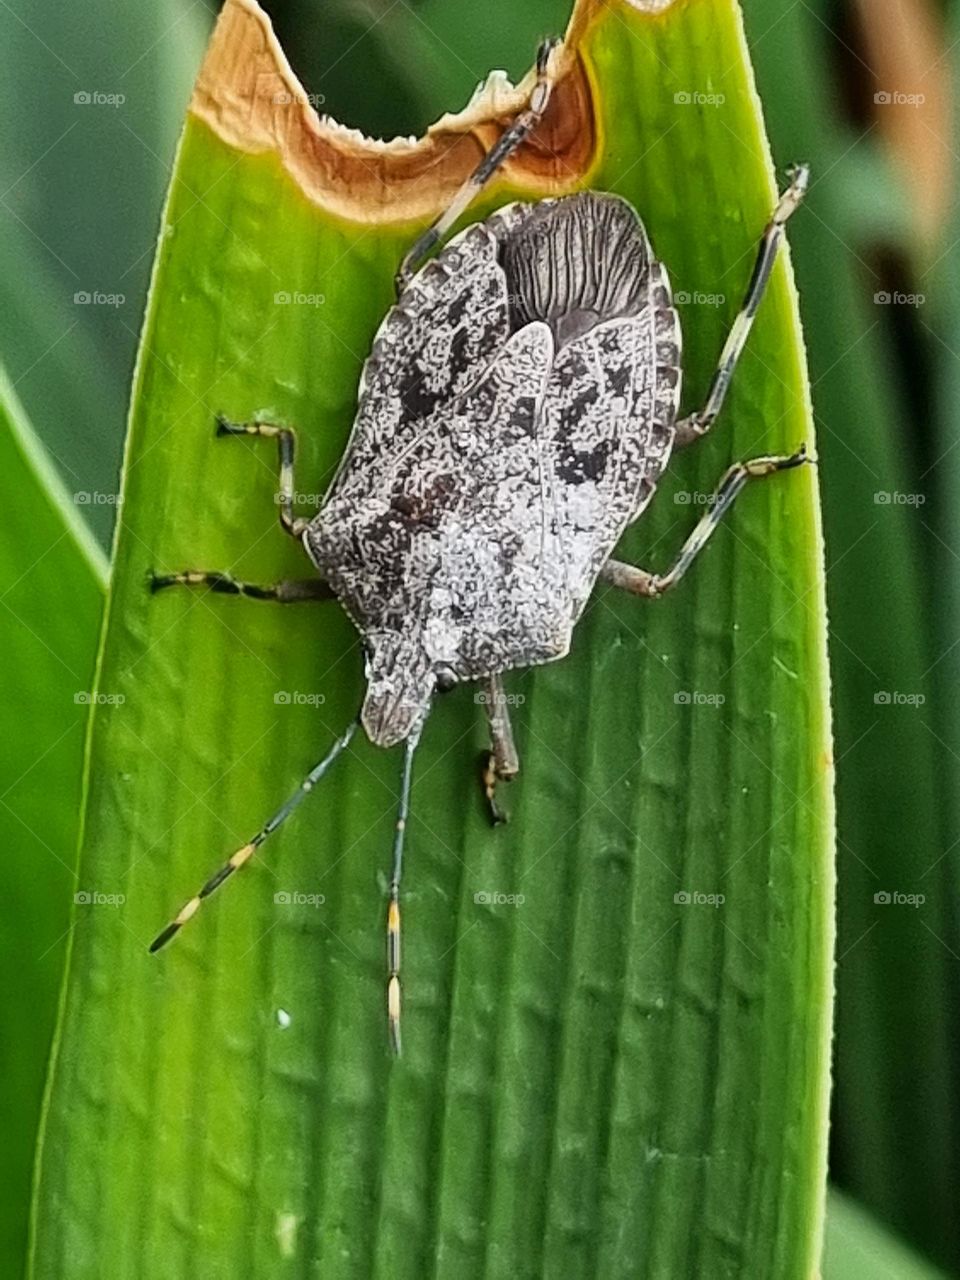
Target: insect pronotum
x=514, y=416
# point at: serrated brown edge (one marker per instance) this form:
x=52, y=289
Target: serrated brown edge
x=248, y=94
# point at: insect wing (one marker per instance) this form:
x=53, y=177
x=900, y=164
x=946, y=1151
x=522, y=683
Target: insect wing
x=448, y=324
x=608, y=440
x=496, y=589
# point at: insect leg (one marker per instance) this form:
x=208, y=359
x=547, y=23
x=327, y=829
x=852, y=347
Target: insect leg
x=693, y=427
x=393, y=909
x=288, y=591
x=642, y=583
x=244, y=854
x=508, y=142
x=287, y=446
x=502, y=764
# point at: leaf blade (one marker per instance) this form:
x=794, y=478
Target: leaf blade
x=52, y=579
x=433, y=1150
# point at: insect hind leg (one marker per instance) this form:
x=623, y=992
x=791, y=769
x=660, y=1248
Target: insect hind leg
x=697, y=424
x=643, y=583
x=501, y=763
x=521, y=127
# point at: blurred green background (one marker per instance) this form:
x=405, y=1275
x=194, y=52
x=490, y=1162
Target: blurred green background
x=91, y=102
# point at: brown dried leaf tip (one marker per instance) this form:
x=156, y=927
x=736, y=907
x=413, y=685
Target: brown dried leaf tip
x=249, y=95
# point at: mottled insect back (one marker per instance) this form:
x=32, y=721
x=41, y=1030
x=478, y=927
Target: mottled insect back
x=514, y=415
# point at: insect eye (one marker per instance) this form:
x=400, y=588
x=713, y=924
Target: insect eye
x=446, y=679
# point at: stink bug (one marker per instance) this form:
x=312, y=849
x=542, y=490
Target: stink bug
x=514, y=416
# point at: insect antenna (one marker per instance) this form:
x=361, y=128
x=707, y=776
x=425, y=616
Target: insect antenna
x=244, y=854
x=393, y=909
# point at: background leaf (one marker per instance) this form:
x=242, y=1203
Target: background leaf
x=91, y=99
x=895, y=1053
x=856, y=1245
x=52, y=579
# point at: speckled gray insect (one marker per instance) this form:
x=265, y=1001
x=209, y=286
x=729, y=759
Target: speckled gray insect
x=514, y=415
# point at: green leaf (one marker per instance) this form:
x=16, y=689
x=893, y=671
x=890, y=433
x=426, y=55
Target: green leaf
x=52, y=580
x=895, y=1053
x=857, y=1245
x=600, y=1080
x=83, y=183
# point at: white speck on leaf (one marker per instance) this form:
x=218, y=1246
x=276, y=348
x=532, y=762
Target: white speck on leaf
x=286, y=1233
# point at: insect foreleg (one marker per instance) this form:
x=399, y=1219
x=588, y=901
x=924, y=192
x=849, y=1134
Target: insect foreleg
x=697, y=424
x=287, y=591
x=287, y=446
x=246, y=852
x=502, y=764
x=642, y=583
x=507, y=143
